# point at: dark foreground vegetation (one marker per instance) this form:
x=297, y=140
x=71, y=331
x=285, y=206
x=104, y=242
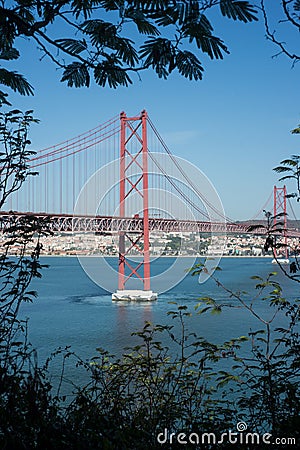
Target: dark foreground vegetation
x=249, y=384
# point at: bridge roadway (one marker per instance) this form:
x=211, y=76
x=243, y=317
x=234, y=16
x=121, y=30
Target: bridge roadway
x=108, y=225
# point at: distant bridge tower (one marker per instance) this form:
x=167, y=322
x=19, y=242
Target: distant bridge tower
x=134, y=136
x=280, y=209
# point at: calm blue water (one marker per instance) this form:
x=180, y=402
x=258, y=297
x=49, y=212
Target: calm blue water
x=72, y=310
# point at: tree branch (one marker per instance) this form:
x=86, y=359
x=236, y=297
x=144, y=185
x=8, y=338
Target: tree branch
x=271, y=37
x=287, y=13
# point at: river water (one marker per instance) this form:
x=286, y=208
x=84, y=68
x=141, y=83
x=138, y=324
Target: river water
x=72, y=310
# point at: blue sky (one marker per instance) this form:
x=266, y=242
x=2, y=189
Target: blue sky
x=234, y=124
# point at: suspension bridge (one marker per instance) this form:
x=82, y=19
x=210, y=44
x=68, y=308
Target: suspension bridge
x=120, y=177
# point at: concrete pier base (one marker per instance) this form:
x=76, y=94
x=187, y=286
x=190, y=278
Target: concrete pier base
x=131, y=295
x=280, y=261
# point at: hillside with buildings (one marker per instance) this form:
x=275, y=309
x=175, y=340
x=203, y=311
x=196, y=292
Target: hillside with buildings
x=161, y=244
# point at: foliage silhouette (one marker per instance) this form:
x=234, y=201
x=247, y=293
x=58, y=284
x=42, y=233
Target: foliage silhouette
x=164, y=35
x=22, y=391
x=172, y=380
x=289, y=21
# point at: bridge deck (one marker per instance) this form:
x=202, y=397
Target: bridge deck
x=109, y=224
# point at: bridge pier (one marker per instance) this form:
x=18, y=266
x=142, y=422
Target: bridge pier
x=134, y=179
x=132, y=295
x=282, y=255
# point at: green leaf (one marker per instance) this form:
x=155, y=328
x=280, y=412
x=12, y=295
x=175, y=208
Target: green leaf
x=201, y=33
x=188, y=11
x=3, y=99
x=286, y=177
x=110, y=5
x=182, y=307
x=7, y=33
x=76, y=74
x=188, y=65
x=16, y=82
x=100, y=32
x=254, y=333
x=216, y=310
x=82, y=7
x=72, y=45
x=159, y=54
x=293, y=195
x=281, y=169
x=115, y=76
x=203, y=310
x=238, y=10
x=168, y=18
x=151, y=6
x=255, y=227
x=291, y=162
x=243, y=338
x=126, y=52
x=143, y=25
x=32, y=293
x=181, y=12
x=9, y=54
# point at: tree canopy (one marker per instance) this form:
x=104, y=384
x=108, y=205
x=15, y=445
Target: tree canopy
x=277, y=32
x=112, y=39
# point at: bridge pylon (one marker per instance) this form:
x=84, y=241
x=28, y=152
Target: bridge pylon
x=134, y=180
x=280, y=215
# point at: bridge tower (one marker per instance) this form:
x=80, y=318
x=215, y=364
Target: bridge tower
x=280, y=209
x=134, y=159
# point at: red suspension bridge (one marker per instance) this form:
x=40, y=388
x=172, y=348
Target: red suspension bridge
x=120, y=177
